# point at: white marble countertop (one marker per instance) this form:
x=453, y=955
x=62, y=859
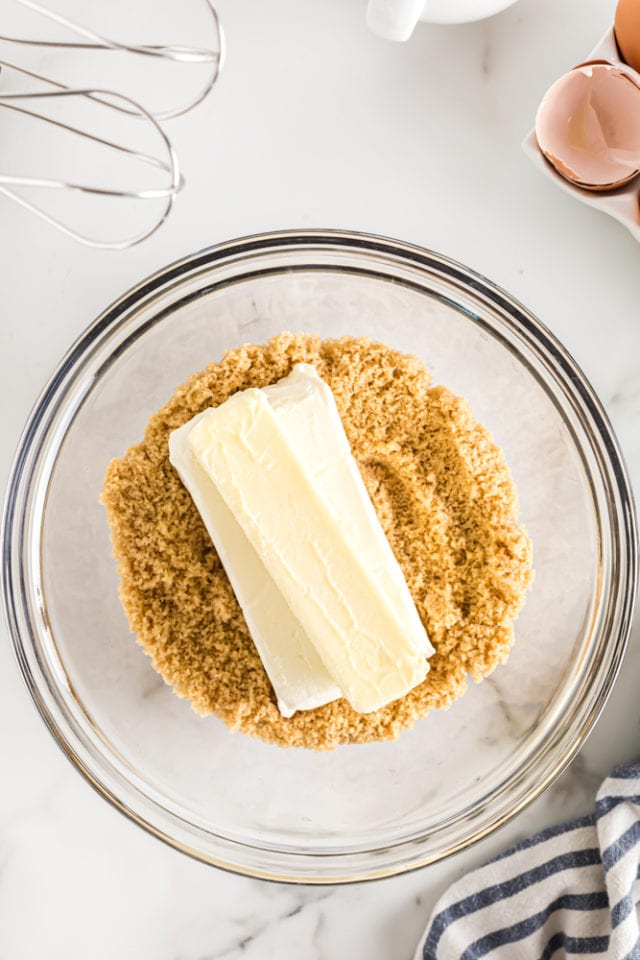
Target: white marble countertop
x=315, y=123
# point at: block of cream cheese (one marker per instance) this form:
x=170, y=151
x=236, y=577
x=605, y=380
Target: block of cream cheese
x=297, y=674
x=370, y=648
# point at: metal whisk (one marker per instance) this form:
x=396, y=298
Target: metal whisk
x=46, y=92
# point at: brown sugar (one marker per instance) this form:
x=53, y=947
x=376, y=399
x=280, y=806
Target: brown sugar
x=441, y=489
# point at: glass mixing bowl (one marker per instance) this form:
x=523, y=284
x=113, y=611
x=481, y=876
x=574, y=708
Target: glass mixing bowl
x=360, y=811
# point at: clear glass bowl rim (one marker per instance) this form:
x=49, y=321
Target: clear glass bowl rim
x=19, y=507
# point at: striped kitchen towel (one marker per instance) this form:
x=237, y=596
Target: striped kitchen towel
x=571, y=891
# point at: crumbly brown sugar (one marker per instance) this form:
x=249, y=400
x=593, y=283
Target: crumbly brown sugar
x=442, y=491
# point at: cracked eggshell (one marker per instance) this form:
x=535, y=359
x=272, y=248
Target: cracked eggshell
x=588, y=126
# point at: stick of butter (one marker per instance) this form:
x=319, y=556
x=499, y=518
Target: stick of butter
x=296, y=672
x=373, y=650
x=307, y=414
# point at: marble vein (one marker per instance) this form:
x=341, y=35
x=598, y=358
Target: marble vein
x=259, y=930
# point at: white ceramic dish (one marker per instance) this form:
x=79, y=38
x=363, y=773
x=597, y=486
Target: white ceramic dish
x=397, y=19
x=622, y=204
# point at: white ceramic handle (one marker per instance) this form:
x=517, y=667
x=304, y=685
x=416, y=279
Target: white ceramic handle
x=394, y=19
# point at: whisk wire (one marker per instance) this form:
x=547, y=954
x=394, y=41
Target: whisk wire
x=23, y=103
x=98, y=42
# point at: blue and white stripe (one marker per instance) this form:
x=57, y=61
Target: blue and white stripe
x=571, y=891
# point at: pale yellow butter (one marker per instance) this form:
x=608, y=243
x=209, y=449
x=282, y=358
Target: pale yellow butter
x=306, y=412
x=368, y=640
x=297, y=674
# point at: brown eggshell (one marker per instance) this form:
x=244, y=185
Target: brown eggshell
x=588, y=126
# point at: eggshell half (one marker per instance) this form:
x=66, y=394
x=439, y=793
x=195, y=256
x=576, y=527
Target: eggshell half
x=588, y=126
